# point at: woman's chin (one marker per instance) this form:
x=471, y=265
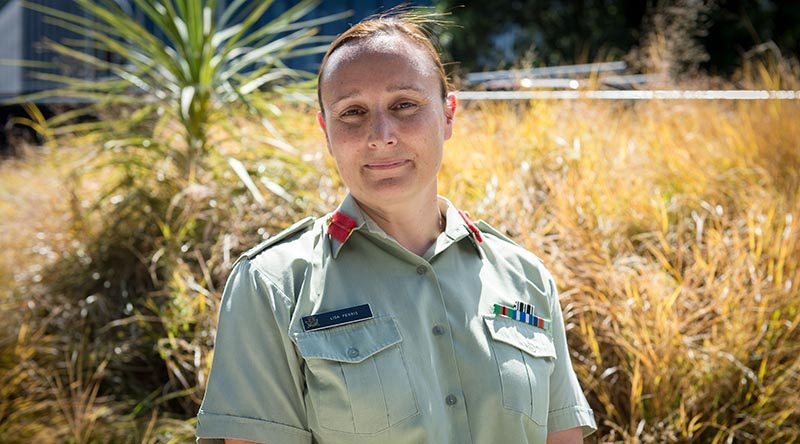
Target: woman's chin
x=388, y=191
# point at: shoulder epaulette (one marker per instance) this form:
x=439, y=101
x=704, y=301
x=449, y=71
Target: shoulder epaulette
x=485, y=227
x=295, y=228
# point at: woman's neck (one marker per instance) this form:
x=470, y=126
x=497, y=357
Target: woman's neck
x=415, y=227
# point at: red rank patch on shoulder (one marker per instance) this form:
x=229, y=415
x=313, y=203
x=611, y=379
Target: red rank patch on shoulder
x=340, y=226
x=471, y=225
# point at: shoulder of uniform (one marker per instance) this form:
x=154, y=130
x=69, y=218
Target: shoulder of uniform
x=297, y=227
x=532, y=266
x=486, y=228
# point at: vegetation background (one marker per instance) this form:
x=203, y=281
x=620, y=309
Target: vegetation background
x=672, y=227
x=713, y=35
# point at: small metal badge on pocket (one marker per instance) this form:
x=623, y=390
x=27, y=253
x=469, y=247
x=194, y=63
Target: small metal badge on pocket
x=524, y=313
x=319, y=321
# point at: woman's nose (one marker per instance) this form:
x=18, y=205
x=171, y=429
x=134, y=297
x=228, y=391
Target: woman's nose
x=382, y=132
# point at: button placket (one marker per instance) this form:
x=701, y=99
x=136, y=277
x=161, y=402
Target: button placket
x=445, y=351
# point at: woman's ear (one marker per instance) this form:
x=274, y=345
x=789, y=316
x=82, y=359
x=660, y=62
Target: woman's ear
x=321, y=121
x=449, y=114
x=451, y=105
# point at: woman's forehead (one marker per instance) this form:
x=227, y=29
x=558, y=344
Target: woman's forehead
x=387, y=46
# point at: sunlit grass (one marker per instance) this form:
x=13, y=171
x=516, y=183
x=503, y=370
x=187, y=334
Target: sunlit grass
x=671, y=227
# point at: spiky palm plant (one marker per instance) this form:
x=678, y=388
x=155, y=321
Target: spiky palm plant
x=167, y=96
x=190, y=69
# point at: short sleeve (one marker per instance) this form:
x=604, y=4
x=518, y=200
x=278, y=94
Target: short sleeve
x=568, y=405
x=255, y=387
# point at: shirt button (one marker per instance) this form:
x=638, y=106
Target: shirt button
x=422, y=269
x=438, y=330
x=451, y=400
x=352, y=352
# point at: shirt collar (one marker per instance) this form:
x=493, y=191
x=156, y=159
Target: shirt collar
x=456, y=228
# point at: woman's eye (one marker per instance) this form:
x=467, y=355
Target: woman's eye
x=351, y=112
x=405, y=105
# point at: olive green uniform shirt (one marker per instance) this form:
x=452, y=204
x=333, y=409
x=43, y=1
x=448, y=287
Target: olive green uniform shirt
x=433, y=365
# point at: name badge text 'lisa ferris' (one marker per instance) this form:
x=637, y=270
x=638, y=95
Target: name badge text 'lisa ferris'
x=319, y=321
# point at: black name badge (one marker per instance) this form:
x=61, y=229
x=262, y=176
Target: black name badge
x=335, y=318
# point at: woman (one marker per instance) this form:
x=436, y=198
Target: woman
x=395, y=319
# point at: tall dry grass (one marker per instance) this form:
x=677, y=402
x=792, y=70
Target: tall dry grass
x=671, y=227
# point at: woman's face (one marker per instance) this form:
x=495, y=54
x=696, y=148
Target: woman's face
x=384, y=119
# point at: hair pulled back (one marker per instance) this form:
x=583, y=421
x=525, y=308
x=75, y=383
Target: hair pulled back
x=408, y=24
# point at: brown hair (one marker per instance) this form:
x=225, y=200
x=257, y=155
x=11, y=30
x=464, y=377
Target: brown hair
x=410, y=24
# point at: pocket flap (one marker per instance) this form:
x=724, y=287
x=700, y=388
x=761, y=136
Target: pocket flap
x=532, y=340
x=350, y=343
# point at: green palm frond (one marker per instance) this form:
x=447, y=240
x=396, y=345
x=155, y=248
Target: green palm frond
x=193, y=64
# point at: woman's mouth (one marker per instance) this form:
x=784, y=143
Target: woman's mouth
x=387, y=164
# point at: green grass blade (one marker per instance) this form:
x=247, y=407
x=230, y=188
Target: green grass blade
x=248, y=22
x=282, y=23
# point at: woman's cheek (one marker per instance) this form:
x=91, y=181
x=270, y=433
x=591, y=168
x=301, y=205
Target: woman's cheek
x=419, y=120
x=345, y=134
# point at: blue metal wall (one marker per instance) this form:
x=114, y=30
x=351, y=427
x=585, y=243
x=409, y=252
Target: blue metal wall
x=36, y=30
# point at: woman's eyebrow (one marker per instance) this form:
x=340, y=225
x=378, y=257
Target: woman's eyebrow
x=414, y=88
x=391, y=88
x=345, y=97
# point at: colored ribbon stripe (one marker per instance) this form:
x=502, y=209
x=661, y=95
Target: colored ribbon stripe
x=526, y=308
x=521, y=316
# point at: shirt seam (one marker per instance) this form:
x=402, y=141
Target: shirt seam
x=339, y=358
x=569, y=409
x=272, y=282
x=289, y=428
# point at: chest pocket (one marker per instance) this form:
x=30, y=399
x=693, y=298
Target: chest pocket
x=524, y=356
x=357, y=377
